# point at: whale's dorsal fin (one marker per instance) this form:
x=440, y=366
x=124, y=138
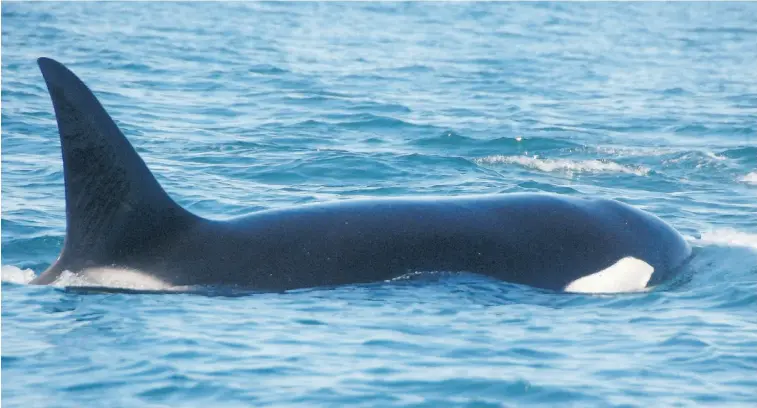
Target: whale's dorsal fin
x=115, y=207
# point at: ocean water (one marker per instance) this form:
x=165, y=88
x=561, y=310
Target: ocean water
x=238, y=107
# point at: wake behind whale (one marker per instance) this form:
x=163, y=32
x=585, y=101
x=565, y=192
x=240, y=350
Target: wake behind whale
x=122, y=227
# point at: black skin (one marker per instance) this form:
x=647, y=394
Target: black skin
x=545, y=241
x=117, y=215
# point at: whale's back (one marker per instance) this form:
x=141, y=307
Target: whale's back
x=119, y=220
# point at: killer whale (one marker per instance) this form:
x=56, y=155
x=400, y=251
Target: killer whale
x=121, y=225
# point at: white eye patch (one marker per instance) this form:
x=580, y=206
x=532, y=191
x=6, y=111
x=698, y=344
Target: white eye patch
x=627, y=275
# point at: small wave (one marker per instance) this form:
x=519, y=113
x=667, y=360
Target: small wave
x=124, y=279
x=266, y=69
x=375, y=121
x=565, y=165
x=448, y=138
x=413, y=69
x=750, y=178
x=728, y=237
x=13, y=274
x=748, y=153
x=118, y=283
x=677, y=91
x=696, y=159
x=530, y=143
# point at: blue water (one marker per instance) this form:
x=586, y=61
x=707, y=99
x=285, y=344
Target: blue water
x=239, y=107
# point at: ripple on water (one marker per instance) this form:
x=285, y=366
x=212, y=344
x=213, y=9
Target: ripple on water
x=244, y=106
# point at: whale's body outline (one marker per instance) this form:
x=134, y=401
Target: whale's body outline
x=120, y=223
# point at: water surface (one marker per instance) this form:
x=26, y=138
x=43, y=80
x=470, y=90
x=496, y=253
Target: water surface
x=239, y=107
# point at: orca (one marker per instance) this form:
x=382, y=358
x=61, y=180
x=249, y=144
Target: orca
x=123, y=228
